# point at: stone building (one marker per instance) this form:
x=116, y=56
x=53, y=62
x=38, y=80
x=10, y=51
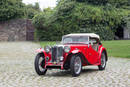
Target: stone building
x=16, y=30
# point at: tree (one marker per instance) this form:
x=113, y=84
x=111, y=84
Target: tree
x=10, y=9
x=73, y=16
x=41, y=22
x=36, y=6
x=31, y=10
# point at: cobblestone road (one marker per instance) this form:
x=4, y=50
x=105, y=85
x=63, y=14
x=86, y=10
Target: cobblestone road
x=17, y=70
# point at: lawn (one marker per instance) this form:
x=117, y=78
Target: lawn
x=116, y=48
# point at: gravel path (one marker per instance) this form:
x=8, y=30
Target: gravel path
x=17, y=70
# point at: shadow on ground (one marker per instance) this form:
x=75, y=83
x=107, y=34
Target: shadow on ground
x=67, y=73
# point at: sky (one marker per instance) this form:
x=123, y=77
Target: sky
x=43, y=3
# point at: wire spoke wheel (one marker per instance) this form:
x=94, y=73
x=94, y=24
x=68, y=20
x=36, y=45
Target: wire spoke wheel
x=75, y=65
x=40, y=64
x=103, y=62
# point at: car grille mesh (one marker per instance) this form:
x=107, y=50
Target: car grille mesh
x=56, y=53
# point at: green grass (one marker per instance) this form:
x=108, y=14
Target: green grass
x=47, y=43
x=116, y=48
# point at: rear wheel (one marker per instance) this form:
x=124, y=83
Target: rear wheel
x=39, y=64
x=75, y=65
x=103, y=62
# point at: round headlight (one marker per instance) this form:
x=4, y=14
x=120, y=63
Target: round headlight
x=47, y=49
x=66, y=49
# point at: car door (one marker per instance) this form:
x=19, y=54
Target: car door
x=92, y=55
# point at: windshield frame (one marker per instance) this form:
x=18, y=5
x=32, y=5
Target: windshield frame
x=75, y=42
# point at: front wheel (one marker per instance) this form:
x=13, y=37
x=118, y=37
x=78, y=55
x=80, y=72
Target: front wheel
x=75, y=65
x=39, y=64
x=103, y=62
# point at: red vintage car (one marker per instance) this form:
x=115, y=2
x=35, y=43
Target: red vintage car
x=74, y=52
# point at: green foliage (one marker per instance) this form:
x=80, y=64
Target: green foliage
x=74, y=16
x=41, y=23
x=127, y=20
x=38, y=21
x=10, y=9
x=31, y=10
x=95, y=2
x=117, y=3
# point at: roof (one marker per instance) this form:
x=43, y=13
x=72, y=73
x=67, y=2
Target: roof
x=93, y=35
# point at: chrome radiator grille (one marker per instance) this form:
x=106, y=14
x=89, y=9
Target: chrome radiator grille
x=56, y=53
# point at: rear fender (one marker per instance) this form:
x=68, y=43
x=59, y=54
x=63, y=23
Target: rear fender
x=102, y=49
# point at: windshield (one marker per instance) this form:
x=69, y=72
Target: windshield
x=75, y=39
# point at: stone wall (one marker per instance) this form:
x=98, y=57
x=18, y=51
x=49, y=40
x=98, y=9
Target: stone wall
x=13, y=30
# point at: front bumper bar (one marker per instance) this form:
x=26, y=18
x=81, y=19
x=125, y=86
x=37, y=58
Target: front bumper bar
x=54, y=65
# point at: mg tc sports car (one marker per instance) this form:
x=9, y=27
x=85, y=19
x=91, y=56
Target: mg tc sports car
x=73, y=52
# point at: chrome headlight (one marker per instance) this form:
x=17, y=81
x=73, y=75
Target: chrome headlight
x=47, y=49
x=66, y=49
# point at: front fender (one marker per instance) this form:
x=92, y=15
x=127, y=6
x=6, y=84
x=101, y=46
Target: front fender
x=40, y=50
x=71, y=52
x=79, y=52
x=68, y=55
x=75, y=51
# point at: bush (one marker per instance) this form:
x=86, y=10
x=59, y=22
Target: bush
x=31, y=10
x=10, y=9
x=71, y=16
x=117, y=3
x=42, y=25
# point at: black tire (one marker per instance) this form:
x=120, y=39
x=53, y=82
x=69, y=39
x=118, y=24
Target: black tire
x=103, y=62
x=73, y=70
x=40, y=66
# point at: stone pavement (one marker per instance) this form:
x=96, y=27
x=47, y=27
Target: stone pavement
x=17, y=70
